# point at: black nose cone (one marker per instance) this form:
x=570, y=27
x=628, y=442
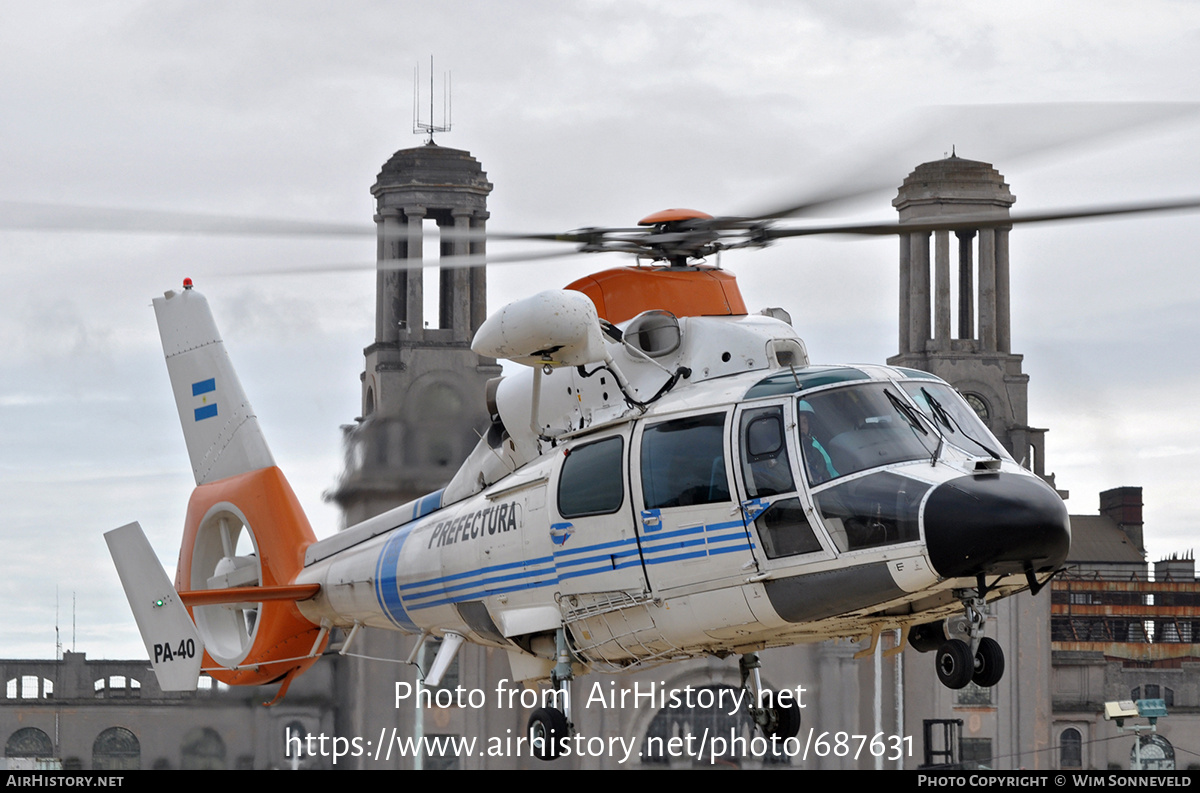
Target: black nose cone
x=996, y=524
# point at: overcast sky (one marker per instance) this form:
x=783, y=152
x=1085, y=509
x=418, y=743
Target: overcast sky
x=583, y=113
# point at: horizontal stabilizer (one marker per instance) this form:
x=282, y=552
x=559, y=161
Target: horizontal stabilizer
x=219, y=425
x=249, y=594
x=170, y=636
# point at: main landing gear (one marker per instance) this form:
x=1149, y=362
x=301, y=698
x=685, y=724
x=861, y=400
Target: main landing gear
x=776, y=716
x=549, y=727
x=974, y=658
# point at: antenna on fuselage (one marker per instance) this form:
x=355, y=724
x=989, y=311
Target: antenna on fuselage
x=420, y=127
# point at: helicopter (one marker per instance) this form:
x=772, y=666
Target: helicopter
x=667, y=477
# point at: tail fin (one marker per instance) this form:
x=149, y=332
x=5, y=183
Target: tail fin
x=219, y=425
x=171, y=640
x=245, y=532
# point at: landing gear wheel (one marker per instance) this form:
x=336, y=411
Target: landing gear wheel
x=785, y=721
x=989, y=663
x=547, y=728
x=955, y=666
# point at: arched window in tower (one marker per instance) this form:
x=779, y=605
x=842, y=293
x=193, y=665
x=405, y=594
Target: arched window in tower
x=980, y=406
x=1070, y=749
x=441, y=400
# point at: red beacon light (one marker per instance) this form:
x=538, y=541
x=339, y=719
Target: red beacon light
x=187, y=283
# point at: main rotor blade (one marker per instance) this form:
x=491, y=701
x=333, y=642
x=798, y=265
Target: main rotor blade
x=577, y=236
x=964, y=222
x=397, y=265
x=19, y=216
x=1001, y=133
x=30, y=216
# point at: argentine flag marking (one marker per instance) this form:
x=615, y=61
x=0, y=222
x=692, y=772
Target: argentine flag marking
x=205, y=411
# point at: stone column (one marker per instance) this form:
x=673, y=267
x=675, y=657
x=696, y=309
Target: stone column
x=987, y=290
x=478, y=274
x=905, y=268
x=415, y=295
x=1003, y=307
x=391, y=308
x=941, y=302
x=918, y=291
x=458, y=299
x=966, y=285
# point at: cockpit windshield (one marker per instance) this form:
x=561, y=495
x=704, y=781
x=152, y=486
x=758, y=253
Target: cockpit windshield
x=851, y=429
x=955, y=419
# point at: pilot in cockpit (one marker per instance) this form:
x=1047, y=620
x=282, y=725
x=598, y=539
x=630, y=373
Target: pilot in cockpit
x=816, y=459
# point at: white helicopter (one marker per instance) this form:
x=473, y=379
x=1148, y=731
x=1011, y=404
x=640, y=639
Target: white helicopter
x=670, y=478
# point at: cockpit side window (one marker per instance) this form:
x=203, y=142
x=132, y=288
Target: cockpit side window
x=764, y=453
x=778, y=514
x=592, y=482
x=683, y=462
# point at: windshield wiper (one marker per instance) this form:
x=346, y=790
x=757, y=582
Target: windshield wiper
x=947, y=419
x=917, y=419
x=906, y=410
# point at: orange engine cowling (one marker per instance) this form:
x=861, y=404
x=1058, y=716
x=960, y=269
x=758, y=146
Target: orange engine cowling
x=248, y=530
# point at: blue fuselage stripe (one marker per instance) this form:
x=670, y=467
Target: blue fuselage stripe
x=398, y=599
x=386, y=569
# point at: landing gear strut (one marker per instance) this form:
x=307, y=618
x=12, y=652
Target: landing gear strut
x=549, y=728
x=774, y=716
x=978, y=659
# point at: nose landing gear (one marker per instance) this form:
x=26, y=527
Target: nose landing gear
x=975, y=658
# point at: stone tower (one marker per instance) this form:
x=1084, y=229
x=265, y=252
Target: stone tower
x=423, y=400
x=958, y=326
x=960, y=329
x=423, y=387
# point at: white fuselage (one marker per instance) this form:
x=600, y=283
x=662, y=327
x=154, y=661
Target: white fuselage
x=717, y=520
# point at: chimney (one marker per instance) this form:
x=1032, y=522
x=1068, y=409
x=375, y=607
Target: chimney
x=1124, y=506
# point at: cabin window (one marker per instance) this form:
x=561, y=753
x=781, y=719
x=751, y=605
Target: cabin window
x=591, y=482
x=683, y=462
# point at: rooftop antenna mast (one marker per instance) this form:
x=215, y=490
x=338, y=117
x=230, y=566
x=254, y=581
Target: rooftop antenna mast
x=420, y=127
